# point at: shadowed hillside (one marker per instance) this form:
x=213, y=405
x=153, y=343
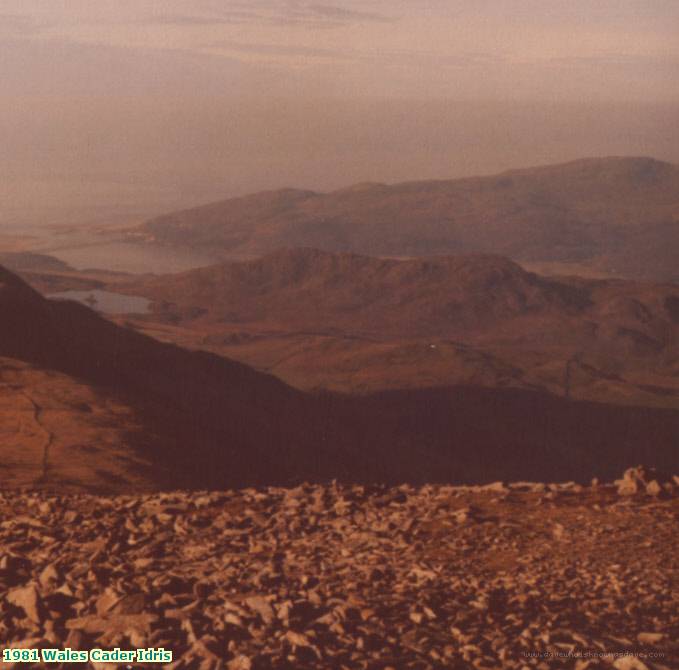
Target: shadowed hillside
x=215, y=422
x=195, y=402
x=618, y=215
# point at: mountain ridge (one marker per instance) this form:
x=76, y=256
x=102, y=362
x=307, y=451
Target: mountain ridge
x=349, y=287
x=209, y=422
x=351, y=322
x=604, y=212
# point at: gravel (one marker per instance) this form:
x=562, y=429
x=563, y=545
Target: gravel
x=526, y=575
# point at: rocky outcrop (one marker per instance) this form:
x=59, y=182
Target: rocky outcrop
x=642, y=480
x=330, y=576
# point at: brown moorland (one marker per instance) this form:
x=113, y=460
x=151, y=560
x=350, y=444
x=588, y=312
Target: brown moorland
x=354, y=323
x=212, y=422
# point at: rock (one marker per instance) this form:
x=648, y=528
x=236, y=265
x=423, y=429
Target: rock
x=629, y=663
x=26, y=598
x=201, y=655
x=71, y=516
x=297, y=639
x=262, y=606
x=462, y=515
x=571, y=486
x=494, y=487
x=648, y=480
x=558, y=531
x=240, y=662
x=391, y=577
x=112, y=624
x=130, y=604
x=48, y=576
x=627, y=487
x=638, y=473
x=107, y=601
x=534, y=487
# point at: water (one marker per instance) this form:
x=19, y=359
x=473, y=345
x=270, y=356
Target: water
x=88, y=248
x=127, y=257
x=107, y=302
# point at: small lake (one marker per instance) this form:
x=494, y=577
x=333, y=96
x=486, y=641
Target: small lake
x=107, y=301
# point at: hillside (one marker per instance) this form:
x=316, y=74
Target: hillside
x=321, y=291
x=352, y=322
x=59, y=431
x=27, y=261
x=617, y=215
x=175, y=426
x=205, y=421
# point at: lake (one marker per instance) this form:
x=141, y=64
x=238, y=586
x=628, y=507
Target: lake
x=129, y=257
x=106, y=301
x=84, y=248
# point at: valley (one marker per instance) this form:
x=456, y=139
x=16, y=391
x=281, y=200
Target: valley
x=339, y=335
x=195, y=414
x=208, y=421
x=356, y=324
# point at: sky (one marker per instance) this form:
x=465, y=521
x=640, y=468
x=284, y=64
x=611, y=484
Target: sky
x=117, y=109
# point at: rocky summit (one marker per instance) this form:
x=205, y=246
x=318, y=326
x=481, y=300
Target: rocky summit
x=523, y=575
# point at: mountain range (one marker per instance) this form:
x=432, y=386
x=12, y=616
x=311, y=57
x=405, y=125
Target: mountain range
x=617, y=215
x=349, y=322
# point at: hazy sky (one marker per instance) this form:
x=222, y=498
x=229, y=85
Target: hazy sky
x=125, y=107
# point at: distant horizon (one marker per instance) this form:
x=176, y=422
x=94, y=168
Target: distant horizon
x=345, y=187
x=113, y=112
x=96, y=214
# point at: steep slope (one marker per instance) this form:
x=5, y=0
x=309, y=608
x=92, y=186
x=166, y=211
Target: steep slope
x=28, y=261
x=194, y=403
x=592, y=210
x=213, y=422
x=61, y=432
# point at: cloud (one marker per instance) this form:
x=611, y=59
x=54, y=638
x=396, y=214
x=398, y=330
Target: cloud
x=344, y=15
x=621, y=60
x=283, y=50
x=182, y=20
x=433, y=59
x=231, y=15
x=276, y=13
